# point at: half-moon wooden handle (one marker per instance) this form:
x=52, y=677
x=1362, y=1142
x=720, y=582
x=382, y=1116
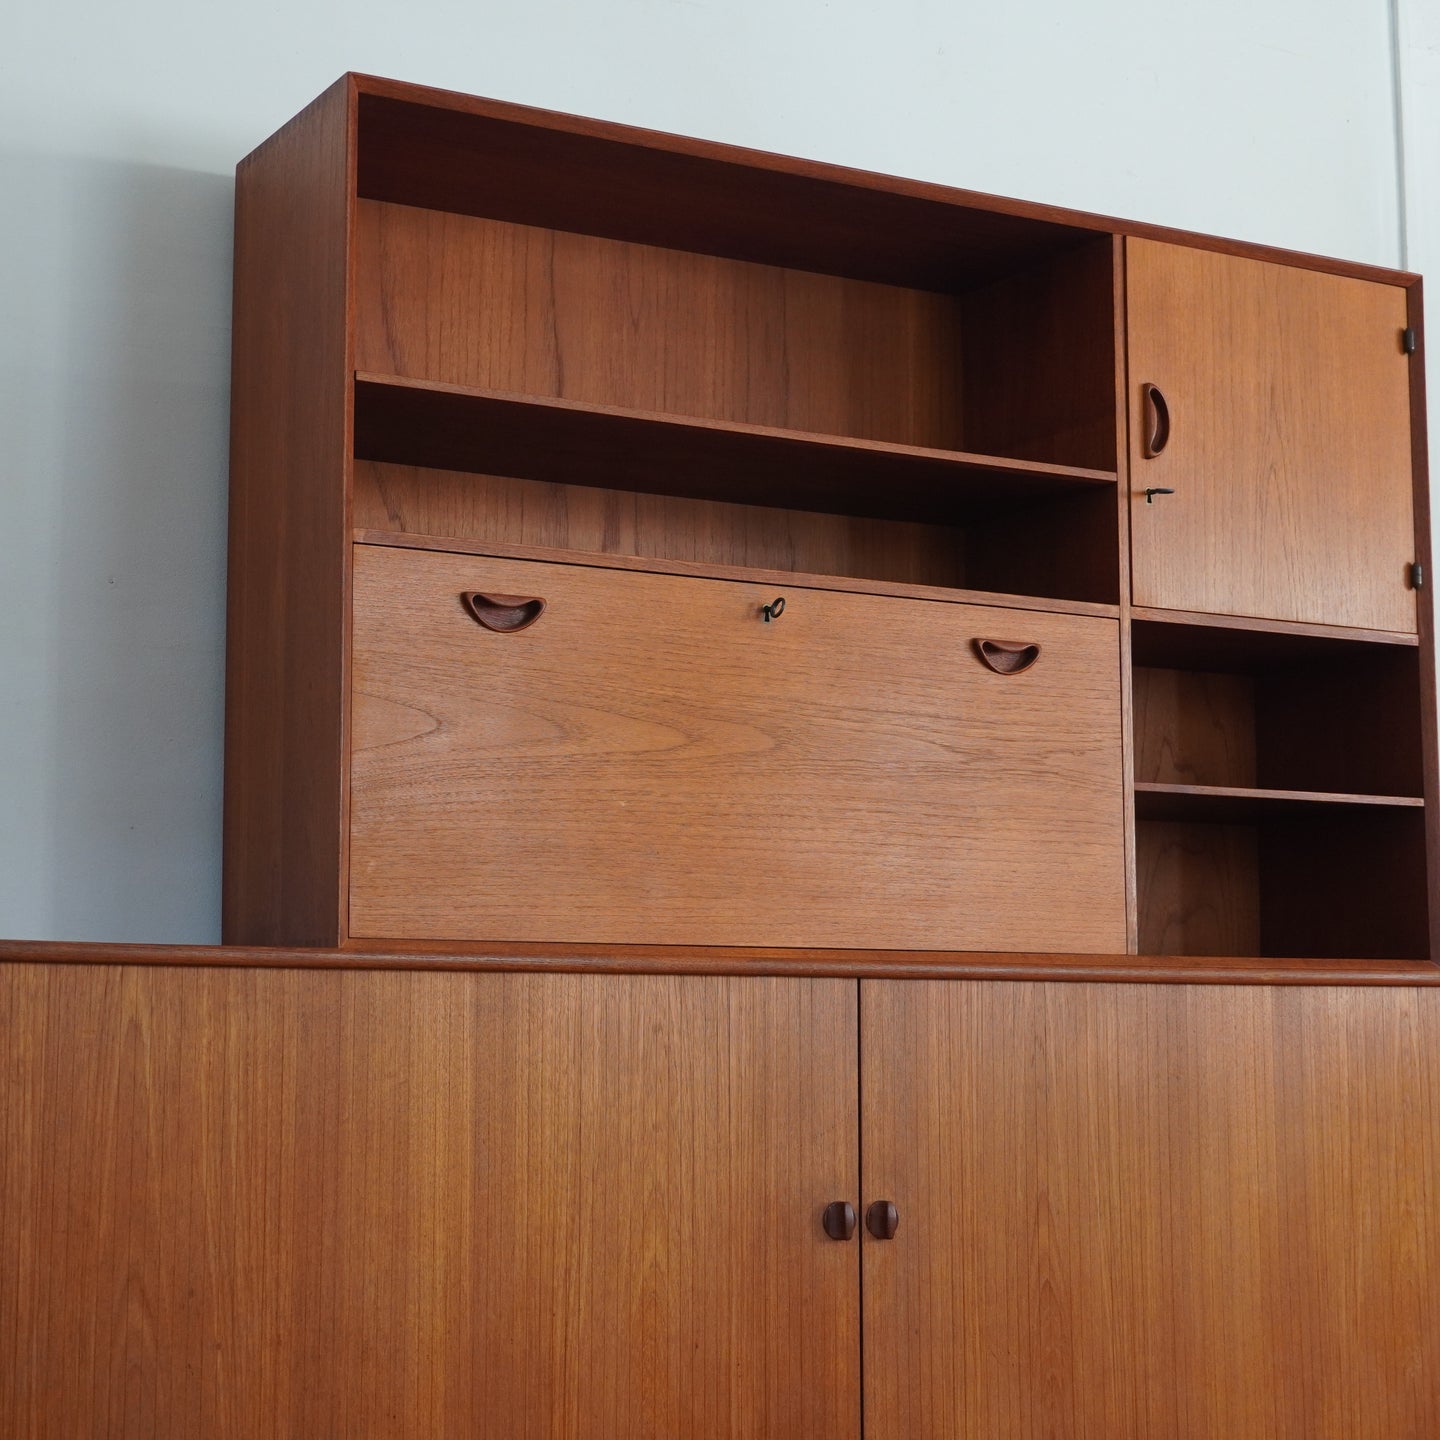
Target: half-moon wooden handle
x=503, y=613
x=1007, y=657
x=1157, y=428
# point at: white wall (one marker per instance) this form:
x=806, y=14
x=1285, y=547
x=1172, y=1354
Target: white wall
x=1418, y=61
x=119, y=130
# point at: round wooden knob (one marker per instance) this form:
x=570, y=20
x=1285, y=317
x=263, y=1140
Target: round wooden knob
x=839, y=1220
x=882, y=1220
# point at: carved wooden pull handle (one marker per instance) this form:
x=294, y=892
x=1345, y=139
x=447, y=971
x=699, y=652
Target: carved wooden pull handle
x=1007, y=657
x=839, y=1220
x=1157, y=429
x=882, y=1219
x=503, y=613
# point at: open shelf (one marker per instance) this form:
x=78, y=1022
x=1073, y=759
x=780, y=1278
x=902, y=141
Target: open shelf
x=749, y=573
x=464, y=155
x=1229, y=804
x=1278, y=789
x=457, y=427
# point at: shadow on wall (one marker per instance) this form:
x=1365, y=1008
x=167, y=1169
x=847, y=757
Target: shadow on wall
x=114, y=382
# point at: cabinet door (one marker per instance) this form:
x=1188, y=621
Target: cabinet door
x=651, y=761
x=298, y=1203
x=1289, y=440
x=1151, y=1212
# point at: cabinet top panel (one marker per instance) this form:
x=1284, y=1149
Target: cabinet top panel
x=446, y=151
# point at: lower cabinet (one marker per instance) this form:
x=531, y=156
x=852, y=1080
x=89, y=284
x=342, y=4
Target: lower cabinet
x=330, y=1203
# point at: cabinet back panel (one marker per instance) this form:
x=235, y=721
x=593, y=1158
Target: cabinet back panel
x=1335, y=884
x=652, y=763
x=1346, y=885
x=1039, y=358
x=469, y=301
x=501, y=510
x=1353, y=724
x=1198, y=888
x=1194, y=727
x=1289, y=450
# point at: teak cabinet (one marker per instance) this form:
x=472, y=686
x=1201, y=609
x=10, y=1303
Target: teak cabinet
x=344, y=1202
x=849, y=769
x=641, y=542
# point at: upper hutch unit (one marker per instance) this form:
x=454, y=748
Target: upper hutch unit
x=637, y=541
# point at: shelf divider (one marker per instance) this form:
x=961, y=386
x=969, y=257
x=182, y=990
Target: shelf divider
x=1223, y=804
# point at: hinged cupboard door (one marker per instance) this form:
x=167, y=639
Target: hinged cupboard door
x=406, y=1205
x=1151, y=1212
x=1278, y=400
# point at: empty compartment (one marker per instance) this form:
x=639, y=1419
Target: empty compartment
x=1020, y=366
x=1061, y=547
x=1328, y=882
x=1268, y=711
x=1278, y=794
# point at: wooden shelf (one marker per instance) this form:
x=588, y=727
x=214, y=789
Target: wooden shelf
x=796, y=580
x=454, y=427
x=1225, y=804
x=458, y=153
x=1193, y=641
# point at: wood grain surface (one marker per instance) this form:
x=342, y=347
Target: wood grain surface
x=285, y=696
x=610, y=323
x=246, y=1203
x=653, y=763
x=1198, y=887
x=579, y=518
x=1290, y=446
x=422, y=422
x=1135, y=1214
x=1041, y=549
x=518, y=958
x=1194, y=727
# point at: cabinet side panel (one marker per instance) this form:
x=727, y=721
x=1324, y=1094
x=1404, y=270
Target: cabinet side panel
x=1425, y=608
x=290, y=403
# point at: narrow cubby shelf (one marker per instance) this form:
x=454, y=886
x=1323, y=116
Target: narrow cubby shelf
x=1231, y=804
x=1278, y=782
x=463, y=428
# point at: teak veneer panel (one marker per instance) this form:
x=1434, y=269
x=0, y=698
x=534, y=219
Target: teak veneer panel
x=1194, y=727
x=652, y=763
x=456, y=427
x=287, y=607
x=1145, y=1214
x=1289, y=451
x=387, y=1204
x=1198, y=888
x=584, y=518
x=528, y=311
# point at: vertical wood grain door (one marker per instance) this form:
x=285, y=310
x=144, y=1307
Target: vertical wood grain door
x=245, y=1203
x=1282, y=421
x=1151, y=1212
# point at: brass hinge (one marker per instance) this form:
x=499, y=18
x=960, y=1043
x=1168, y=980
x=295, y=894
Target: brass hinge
x=1409, y=341
x=1417, y=576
